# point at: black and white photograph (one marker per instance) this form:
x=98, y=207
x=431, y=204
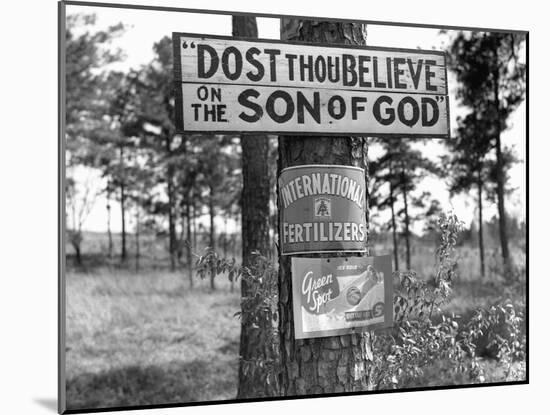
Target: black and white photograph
x=273, y=206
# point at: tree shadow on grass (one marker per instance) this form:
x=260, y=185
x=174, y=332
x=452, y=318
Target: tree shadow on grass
x=175, y=382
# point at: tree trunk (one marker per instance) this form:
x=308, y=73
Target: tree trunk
x=181, y=236
x=122, y=209
x=393, y=227
x=500, y=178
x=255, y=197
x=224, y=241
x=171, y=221
x=212, y=214
x=109, y=233
x=501, y=209
x=78, y=254
x=338, y=363
x=224, y=237
x=407, y=232
x=194, y=225
x=189, y=241
x=170, y=190
x=137, y=238
x=254, y=234
x=480, y=220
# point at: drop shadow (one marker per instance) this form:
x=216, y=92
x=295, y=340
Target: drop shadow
x=48, y=403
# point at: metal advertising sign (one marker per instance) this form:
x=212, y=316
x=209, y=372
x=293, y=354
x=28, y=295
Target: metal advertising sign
x=323, y=209
x=334, y=296
x=232, y=85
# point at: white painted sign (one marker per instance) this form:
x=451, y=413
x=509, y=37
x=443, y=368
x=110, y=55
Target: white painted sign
x=227, y=85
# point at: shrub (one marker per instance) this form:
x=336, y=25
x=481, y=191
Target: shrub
x=422, y=337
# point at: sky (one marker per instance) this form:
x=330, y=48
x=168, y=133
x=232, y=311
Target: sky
x=144, y=28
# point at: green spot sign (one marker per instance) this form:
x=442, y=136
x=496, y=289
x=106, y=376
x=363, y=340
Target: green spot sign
x=335, y=296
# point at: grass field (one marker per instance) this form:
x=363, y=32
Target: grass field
x=146, y=338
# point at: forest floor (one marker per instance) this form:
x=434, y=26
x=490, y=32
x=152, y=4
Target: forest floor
x=146, y=338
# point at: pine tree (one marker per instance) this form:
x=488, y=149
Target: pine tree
x=339, y=363
x=491, y=80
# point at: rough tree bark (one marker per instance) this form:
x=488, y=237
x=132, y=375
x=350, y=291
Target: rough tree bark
x=331, y=364
x=254, y=231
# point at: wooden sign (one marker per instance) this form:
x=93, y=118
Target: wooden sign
x=323, y=209
x=226, y=85
x=335, y=296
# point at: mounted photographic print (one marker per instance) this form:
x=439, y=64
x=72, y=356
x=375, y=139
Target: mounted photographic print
x=258, y=206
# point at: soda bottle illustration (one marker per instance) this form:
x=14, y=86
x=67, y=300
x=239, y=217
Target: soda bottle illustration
x=352, y=294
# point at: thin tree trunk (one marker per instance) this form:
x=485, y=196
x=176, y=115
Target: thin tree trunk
x=212, y=214
x=224, y=249
x=503, y=231
x=122, y=209
x=331, y=364
x=407, y=232
x=171, y=222
x=224, y=237
x=181, y=237
x=501, y=208
x=393, y=227
x=109, y=233
x=137, y=238
x=171, y=204
x=78, y=254
x=480, y=220
x=189, y=241
x=194, y=223
x=254, y=235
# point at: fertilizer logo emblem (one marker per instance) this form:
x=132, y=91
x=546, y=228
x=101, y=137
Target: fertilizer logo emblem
x=322, y=207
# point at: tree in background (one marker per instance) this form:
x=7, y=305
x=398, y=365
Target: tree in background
x=80, y=202
x=403, y=168
x=491, y=80
x=219, y=172
x=156, y=122
x=338, y=363
x=186, y=180
x=255, y=229
x=383, y=171
x=87, y=56
x=468, y=165
x=412, y=167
